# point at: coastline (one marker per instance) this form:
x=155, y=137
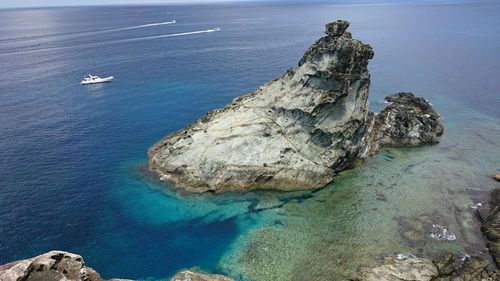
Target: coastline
x=70, y=154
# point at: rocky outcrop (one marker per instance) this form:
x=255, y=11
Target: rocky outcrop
x=292, y=133
x=64, y=266
x=400, y=270
x=196, y=276
x=406, y=121
x=295, y=132
x=446, y=267
x=489, y=214
x=54, y=265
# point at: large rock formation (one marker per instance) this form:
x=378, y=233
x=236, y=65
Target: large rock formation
x=54, y=265
x=295, y=132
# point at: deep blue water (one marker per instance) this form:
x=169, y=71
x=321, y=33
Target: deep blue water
x=71, y=157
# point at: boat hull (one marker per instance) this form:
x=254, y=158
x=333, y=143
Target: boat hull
x=97, y=81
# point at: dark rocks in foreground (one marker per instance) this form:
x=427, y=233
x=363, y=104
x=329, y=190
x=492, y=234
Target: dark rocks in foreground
x=298, y=131
x=448, y=267
x=489, y=214
x=54, y=265
x=444, y=268
x=64, y=266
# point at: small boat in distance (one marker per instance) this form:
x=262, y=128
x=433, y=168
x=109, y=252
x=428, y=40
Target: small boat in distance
x=94, y=79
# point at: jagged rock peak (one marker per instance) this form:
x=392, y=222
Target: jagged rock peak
x=336, y=28
x=339, y=40
x=292, y=133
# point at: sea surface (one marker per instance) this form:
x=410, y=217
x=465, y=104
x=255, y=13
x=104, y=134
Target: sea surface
x=73, y=159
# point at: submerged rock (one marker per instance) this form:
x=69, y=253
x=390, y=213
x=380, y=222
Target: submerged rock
x=295, y=132
x=417, y=231
x=401, y=270
x=54, y=265
x=196, y=276
x=441, y=233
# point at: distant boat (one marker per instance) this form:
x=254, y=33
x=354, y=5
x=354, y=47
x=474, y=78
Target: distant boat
x=94, y=79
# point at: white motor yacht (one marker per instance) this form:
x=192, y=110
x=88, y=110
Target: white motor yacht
x=94, y=79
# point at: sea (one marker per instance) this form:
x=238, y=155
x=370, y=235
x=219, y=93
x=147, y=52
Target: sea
x=73, y=158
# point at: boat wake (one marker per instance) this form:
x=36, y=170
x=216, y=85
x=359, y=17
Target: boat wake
x=135, y=27
x=165, y=36
x=112, y=42
x=85, y=33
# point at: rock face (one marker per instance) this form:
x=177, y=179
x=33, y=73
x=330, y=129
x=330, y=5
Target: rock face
x=406, y=121
x=446, y=267
x=292, y=133
x=295, y=132
x=489, y=214
x=54, y=265
x=195, y=276
x=64, y=266
x=401, y=270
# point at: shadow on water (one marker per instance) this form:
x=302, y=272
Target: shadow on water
x=146, y=227
x=181, y=230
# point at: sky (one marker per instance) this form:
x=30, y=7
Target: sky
x=43, y=3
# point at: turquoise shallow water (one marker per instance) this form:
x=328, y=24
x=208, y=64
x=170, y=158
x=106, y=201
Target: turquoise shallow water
x=72, y=158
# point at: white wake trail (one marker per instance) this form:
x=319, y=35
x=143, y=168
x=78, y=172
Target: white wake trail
x=116, y=41
x=85, y=33
x=164, y=36
x=136, y=26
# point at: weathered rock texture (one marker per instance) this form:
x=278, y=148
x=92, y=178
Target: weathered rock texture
x=397, y=270
x=295, y=132
x=444, y=268
x=406, y=121
x=489, y=214
x=64, y=266
x=54, y=265
x=196, y=276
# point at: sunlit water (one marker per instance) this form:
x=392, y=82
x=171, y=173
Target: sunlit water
x=72, y=158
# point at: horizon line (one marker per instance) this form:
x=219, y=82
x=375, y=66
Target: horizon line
x=211, y=2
